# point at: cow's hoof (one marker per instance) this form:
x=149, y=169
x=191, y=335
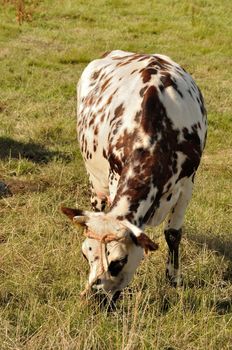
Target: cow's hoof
x=174, y=281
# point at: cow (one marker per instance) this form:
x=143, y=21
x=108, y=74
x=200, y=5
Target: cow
x=142, y=129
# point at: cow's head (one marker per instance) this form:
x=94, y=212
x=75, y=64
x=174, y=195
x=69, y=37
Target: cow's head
x=113, y=249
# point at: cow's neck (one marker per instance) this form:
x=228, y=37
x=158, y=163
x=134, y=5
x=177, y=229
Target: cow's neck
x=137, y=211
x=140, y=187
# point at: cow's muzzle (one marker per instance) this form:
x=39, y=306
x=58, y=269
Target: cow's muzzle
x=106, y=301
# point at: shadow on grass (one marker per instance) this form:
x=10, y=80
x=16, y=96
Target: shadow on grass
x=32, y=151
x=217, y=244
x=193, y=303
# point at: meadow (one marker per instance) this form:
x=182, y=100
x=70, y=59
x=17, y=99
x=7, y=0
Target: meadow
x=44, y=46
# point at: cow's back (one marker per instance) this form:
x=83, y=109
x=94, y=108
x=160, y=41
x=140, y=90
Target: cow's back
x=114, y=94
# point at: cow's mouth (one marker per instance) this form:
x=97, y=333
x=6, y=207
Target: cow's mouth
x=107, y=301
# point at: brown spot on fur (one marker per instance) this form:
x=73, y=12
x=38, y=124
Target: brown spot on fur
x=147, y=73
x=134, y=71
x=117, y=113
x=104, y=153
x=105, y=84
x=203, y=110
x=141, y=92
x=99, y=100
x=96, y=131
x=119, y=110
x=138, y=116
x=105, y=54
x=190, y=93
x=109, y=100
x=115, y=163
x=161, y=63
x=85, y=145
x=122, y=58
x=153, y=112
x=96, y=74
x=130, y=58
x=89, y=100
x=91, y=122
x=143, y=58
x=167, y=81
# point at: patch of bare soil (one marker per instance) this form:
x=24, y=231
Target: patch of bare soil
x=15, y=186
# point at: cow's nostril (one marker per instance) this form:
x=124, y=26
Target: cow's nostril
x=98, y=281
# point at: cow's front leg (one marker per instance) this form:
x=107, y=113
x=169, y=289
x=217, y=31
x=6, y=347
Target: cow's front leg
x=98, y=201
x=99, y=194
x=173, y=233
x=173, y=238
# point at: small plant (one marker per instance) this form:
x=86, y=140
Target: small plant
x=21, y=13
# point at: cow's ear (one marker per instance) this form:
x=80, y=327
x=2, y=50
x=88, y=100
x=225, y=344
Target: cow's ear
x=146, y=243
x=77, y=216
x=139, y=237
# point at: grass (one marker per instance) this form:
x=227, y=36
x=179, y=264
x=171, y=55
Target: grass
x=41, y=269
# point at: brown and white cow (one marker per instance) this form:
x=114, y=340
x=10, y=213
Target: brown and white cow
x=142, y=129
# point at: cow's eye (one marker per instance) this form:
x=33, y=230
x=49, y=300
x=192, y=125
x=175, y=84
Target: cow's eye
x=117, y=265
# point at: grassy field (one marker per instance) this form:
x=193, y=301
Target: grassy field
x=41, y=269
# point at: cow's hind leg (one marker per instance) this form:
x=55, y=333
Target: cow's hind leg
x=173, y=232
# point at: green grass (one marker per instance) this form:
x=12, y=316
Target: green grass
x=41, y=268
